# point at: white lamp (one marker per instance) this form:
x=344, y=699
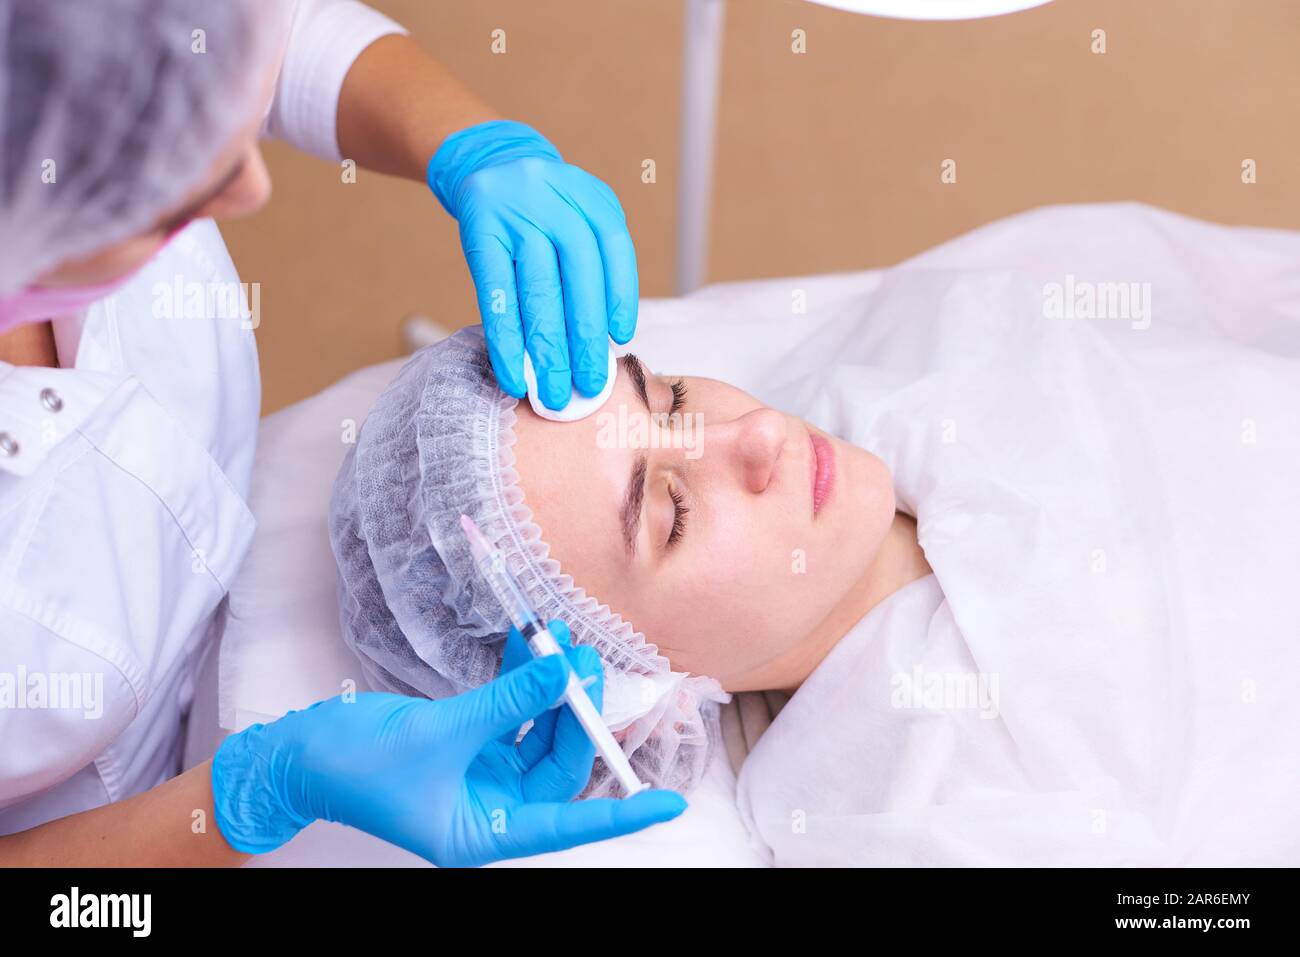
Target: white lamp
x=701, y=68
x=933, y=9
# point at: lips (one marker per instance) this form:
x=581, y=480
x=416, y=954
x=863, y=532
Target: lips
x=823, y=470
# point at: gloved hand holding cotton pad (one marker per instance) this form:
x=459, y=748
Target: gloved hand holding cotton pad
x=580, y=406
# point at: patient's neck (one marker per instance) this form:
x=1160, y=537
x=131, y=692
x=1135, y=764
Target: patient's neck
x=899, y=562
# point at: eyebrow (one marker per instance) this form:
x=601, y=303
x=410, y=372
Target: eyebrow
x=630, y=513
x=631, y=510
x=636, y=371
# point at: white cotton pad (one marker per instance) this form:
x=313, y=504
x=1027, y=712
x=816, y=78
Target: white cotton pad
x=580, y=406
x=629, y=696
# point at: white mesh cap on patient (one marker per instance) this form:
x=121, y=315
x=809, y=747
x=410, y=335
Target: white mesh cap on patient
x=438, y=444
x=112, y=112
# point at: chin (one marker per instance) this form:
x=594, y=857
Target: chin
x=869, y=477
x=866, y=510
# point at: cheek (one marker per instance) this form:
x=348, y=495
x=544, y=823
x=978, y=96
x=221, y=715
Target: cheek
x=731, y=604
x=112, y=264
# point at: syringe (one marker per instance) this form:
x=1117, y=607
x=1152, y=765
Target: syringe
x=540, y=642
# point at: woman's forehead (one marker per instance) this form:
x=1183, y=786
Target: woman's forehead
x=574, y=480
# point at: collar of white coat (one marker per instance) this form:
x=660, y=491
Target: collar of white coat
x=40, y=407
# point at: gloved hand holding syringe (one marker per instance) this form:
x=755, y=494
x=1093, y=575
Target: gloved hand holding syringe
x=541, y=642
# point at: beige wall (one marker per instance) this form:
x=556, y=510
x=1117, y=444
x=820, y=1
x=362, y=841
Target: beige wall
x=826, y=161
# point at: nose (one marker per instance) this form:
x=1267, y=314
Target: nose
x=749, y=446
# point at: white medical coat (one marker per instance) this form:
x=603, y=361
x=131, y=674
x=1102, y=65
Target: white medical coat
x=123, y=482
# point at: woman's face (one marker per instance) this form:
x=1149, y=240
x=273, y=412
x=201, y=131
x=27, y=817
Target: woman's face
x=732, y=536
x=237, y=184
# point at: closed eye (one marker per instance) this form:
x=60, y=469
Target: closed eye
x=679, y=516
x=634, y=497
x=679, y=395
x=636, y=371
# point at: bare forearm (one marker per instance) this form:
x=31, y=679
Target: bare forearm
x=397, y=106
x=171, y=826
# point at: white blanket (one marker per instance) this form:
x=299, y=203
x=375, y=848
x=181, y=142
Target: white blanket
x=1111, y=507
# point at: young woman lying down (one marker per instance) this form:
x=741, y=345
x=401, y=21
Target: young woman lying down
x=1050, y=669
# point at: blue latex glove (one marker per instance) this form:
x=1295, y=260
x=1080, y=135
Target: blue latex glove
x=548, y=248
x=443, y=779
